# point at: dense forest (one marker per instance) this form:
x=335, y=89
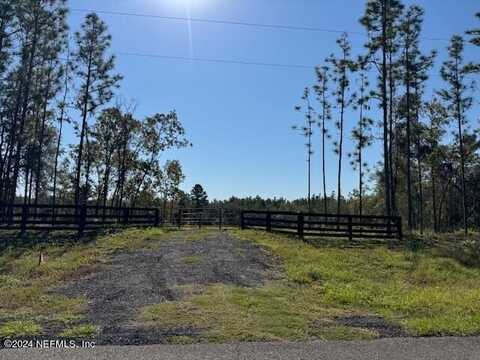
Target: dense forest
x=50, y=80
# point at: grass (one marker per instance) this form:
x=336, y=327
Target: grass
x=426, y=292
x=192, y=260
x=270, y=313
x=19, y=328
x=79, y=332
x=25, y=286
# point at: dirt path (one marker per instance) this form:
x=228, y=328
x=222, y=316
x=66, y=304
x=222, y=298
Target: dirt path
x=132, y=280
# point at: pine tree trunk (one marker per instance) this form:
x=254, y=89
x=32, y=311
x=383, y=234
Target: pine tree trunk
x=340, y=153
x=386, y=166
x=41, y=138
x=434, y=200
x=360, y=160
x=391, y=134
x=59, y=141
x=82, y=133
x=419, y=162
x=309, y=161
x=324, y=176
x=409, y=132
x=462, y=152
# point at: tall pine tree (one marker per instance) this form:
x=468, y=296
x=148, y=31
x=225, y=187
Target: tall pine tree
x=380, y=21
x=342, y=67
x=459, y=101
x=93, y=68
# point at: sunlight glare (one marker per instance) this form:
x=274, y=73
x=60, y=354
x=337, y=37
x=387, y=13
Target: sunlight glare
x=190, y=3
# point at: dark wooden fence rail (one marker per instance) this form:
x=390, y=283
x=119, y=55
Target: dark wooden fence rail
x=324, y=225
x=86, y=218
x=77, y=218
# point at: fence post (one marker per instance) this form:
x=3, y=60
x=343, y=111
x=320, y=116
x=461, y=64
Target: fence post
x=350, y=227
x=399, y=227
x=83, y=219
x=269, y=221
x=125, y=215
x=300, y=226
x=242, y=220
x=220, y=220
x=180, y=212
x=157, y=218
x=24, y=218
x=389, y=226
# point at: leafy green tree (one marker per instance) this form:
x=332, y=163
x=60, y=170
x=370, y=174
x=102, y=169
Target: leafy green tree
x=125, y=154
x=106, y=134
x=159, y=133
x=168, y=183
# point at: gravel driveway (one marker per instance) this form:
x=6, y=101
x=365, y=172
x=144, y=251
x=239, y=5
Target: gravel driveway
x=133, y=280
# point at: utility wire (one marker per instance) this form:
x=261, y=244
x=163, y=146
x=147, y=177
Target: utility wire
x=222, y=22
x=221, y=61
x=226, y=61
x=237, y=23
x=227, y=22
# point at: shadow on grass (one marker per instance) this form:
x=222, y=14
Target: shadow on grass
x=33, y=239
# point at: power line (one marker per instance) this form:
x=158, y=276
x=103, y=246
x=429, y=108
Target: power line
x=227, y=61
x=237, y=23
x=222, y=22
x=220, y=61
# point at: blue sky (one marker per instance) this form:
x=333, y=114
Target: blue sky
x=239, y=117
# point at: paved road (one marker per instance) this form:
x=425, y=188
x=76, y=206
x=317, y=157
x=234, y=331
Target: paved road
x=388, y=349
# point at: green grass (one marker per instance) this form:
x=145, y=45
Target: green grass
x=270, y=313
x=192, y=260
x=25, y=285
x=80, y=331
x=19, y=328
x=427, y=293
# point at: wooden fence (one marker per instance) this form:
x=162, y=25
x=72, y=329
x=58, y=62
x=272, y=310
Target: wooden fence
x=87, y=218
x=323, y=225
x=77, y=218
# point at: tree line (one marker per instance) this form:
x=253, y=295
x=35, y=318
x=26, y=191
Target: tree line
x=50, y=80
x=430, y=168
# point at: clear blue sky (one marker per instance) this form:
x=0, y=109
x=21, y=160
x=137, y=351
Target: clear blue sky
x=239, y=117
